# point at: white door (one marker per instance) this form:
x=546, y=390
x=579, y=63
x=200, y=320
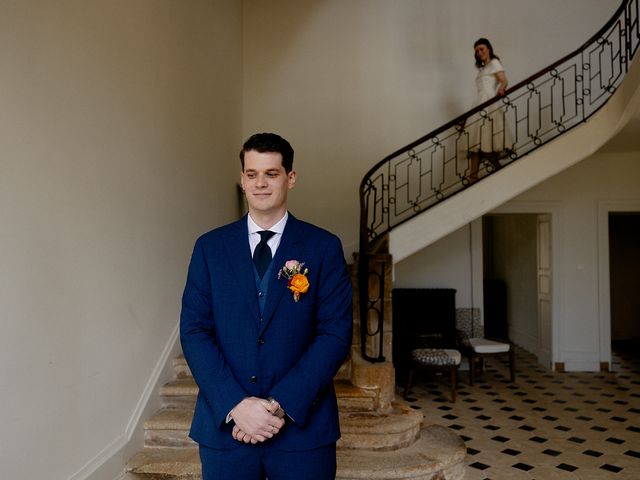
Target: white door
x=544, y=290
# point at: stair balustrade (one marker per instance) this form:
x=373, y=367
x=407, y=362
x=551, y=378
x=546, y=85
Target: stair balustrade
x=438, y=165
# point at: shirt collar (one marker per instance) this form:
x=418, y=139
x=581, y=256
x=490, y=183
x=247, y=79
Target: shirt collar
x=277, y=228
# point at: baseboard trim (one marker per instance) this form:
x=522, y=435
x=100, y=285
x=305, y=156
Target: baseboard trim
x=112, y=450
x=109, y=463
x=152, y=384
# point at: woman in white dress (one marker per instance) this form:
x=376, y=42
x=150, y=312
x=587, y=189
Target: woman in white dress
x=488, y=137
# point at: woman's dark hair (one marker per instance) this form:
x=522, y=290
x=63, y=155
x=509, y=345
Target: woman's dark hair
x=487, y=43
x=269, y=142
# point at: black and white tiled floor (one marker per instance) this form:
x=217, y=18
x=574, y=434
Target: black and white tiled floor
x=544, y=426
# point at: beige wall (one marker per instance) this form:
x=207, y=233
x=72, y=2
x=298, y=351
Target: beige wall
x=119, y=127
x=444, y=264
x=351, y=81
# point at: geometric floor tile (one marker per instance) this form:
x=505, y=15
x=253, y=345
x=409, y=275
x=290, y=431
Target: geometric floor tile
x=547, y=425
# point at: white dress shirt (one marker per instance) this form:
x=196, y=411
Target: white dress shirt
x=274, y=241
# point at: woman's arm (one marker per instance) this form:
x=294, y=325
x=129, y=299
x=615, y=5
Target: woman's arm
x=502, y=80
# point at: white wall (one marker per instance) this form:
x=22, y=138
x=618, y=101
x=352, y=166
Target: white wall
x=445, y=264
x=351, y=81
x=119, y=126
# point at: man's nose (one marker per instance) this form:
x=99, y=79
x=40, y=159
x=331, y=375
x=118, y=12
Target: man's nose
x=261, y=181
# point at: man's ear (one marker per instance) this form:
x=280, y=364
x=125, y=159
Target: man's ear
x=292, y=179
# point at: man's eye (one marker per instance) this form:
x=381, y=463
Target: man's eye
x=272, y=175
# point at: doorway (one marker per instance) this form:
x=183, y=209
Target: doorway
x=517, y=261
x=624, y=278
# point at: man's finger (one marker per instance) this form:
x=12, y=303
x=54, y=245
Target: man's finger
x=271, y=405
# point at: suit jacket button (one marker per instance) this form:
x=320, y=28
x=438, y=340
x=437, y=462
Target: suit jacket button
x=261, y=341
x=253, y=379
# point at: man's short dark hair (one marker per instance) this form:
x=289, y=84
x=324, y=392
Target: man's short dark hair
x=269, y=142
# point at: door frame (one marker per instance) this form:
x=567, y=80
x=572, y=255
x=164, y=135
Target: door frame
x=544, y=293
x=553, y=209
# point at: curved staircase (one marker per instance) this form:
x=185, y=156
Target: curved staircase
x=381, y=438
x=376, y=443
x=394, y=444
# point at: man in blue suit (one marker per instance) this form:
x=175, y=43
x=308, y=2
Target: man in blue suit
x=266, y=322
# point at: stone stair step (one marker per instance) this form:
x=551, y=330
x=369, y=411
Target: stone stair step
x=397, y=428
x=438, y=454
x=181, y=368
x=355, y=399
x=165, y=464
x=180, y=387
x=181, y=393
x=169, y=427
x=344, y=372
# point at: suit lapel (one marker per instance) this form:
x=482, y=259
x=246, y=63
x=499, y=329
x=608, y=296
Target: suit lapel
x=290, y=245
x=239, y=255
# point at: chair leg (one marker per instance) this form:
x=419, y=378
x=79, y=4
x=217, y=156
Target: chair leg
x=454, y=383
x=408, y=386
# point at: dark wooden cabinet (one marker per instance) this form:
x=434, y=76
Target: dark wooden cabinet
x=422, y=318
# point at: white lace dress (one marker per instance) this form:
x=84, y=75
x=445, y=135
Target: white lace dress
x=487, y=132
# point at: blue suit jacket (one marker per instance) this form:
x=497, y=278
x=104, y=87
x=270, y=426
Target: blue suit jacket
x=291, y=352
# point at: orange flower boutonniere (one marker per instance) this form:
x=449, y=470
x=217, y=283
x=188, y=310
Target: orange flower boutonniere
x=297, y=275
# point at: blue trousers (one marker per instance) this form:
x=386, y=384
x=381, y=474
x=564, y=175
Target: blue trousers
x=261, y=461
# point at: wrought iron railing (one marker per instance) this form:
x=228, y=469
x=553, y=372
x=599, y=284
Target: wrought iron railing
x=454, y=156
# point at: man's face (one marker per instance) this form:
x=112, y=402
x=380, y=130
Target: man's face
x=266, y=183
